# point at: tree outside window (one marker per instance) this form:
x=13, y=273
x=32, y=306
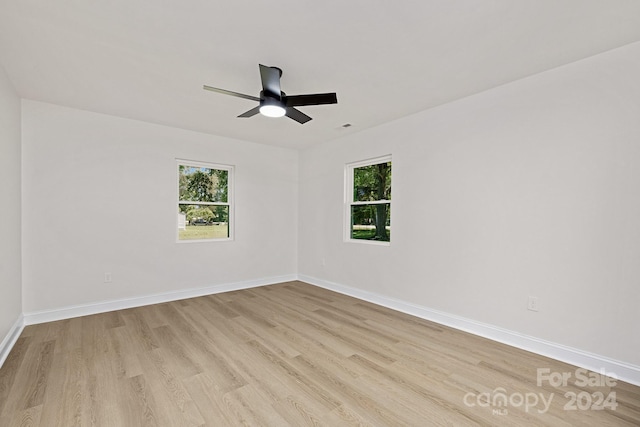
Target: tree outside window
x=204, y=202
x=369, y=200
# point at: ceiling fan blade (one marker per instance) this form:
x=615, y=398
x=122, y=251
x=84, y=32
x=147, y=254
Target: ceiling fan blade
x=270, y=77
x=297, y=115
x=251, y=112
x=312, y=99
x=228, y=92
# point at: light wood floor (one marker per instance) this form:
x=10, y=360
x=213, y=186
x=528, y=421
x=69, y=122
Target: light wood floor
x=287, y=354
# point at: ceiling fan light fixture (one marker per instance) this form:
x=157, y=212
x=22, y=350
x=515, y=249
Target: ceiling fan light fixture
x=272, y=107
x=272, y=110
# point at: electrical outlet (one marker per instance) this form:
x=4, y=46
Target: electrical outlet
x=532, y=303
x=107, y=277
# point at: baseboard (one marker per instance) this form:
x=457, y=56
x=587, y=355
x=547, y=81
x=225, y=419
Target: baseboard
x=621, y=370
x=120, y=304
x=10, y=340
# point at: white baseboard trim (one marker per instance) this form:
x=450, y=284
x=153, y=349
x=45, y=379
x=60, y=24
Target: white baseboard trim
x=69, y=312
x=621, y=370
x=10, y=339
x=594, y=362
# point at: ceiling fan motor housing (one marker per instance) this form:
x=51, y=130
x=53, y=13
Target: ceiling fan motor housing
x=270, y=95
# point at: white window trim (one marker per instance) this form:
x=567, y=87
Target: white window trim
x=348, y=198
x=230, y=197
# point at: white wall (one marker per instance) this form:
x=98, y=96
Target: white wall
x=99, y=195
x=10, y=247
x=530, y=189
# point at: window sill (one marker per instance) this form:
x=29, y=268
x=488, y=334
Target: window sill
x=368, y=242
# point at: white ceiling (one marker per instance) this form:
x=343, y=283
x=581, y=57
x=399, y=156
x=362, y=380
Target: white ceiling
x=147, y=60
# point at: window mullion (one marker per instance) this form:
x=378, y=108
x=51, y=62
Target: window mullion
x=194, y=202
x=371, y=202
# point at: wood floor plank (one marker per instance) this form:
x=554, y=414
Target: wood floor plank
x=183, y=362
x=298, y=328
x=28, y=417
x=170, y=393
x=346, y=416
x=10, y=369
x=209, y=399
x=123, y=355
x=248, y=408
x=67, y=376
x=290, y=354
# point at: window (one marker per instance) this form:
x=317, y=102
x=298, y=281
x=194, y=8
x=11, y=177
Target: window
x=368, y=200
x=205, y=194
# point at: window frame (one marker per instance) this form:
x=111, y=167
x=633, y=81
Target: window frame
x=349, y=203
x=229, y=203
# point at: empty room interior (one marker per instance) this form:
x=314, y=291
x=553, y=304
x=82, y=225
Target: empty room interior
x=441, y=227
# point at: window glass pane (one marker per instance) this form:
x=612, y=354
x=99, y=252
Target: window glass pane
x=372, y=182
x=203, y=222
x=200, y=184
x=371, y=222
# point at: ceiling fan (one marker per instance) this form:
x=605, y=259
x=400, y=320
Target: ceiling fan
x=274, y=102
